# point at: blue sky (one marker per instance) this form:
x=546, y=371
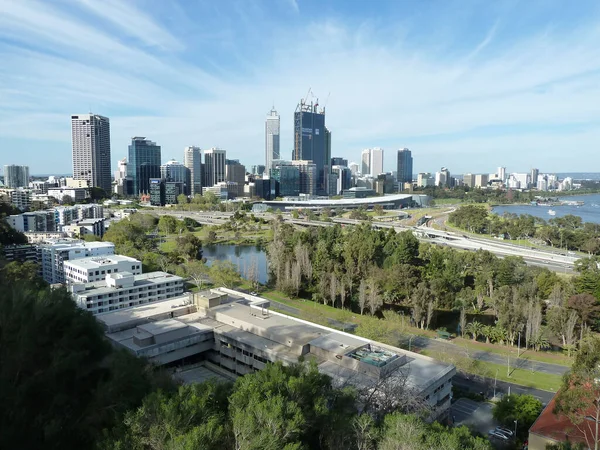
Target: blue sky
x=470, y=85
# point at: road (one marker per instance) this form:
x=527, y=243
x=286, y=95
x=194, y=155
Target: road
x=551, y=260
x=520, y=363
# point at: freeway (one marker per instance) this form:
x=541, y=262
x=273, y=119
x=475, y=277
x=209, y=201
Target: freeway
x=553, y=261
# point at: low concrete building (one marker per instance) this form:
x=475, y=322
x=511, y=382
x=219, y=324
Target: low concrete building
x=95, y=268
x=22, y=253
x=238, y=333
x=77, y=194
x=125, y=290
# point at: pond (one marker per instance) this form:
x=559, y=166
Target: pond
x=242, y=256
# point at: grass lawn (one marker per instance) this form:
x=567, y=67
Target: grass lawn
x=446, y=201
x=396, y=332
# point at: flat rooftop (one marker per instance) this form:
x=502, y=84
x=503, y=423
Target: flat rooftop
x=343, y=201
x=96, y=262
x=144, y=279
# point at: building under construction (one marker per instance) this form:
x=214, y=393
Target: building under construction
x=312, y=140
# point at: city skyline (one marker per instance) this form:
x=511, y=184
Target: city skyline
x=512, y=83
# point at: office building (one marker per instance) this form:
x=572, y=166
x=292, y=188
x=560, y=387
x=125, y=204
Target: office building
x=90, y=135
x=174, y=172
x=312, y=141
x=123, y=182
x=266, y=189
x=533, y=178
x=307, y=178
x=385, y=183
x=235, y=173
x=424, y=179
x=125, y=290
x=258, y=169
x=238, y=333
x=372, y=161
x=192, y=159
x=354, y=168
x=54, y=253
x=272, y=138
x=157, y=192
x=337, y=161
x=287, y=176
x=144, y=163
x=95, y=268
x=481, y=181
x=214, y=166
x=469, y=180
x=501, y=174
x=344, y=179
x=405, y=166
x=16, y=176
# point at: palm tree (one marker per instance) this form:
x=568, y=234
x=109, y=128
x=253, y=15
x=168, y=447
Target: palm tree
x=475, y=328
x=499, y=335
x=488, y=332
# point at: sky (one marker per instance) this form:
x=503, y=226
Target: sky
x=466, y=84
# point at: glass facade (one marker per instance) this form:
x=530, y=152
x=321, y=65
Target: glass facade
x=156, y=191
x=144, y=163
x=312, y=142
x=288, y=178
x=405, y=166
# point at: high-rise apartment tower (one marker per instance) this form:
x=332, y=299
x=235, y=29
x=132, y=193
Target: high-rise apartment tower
x=16, y=176
x=192, y=159
x=90, y=135
x=214, y=166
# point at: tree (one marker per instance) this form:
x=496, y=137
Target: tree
x=579, y=396
x=197, y=271
x=25, y=274
x=62, y=383
x=189, y=246
x=193, y=417
x=362, y=296
x=475, y=328
x=182, y=199
x=374, y=299
x=67, y=200
x=333, y=288
x=586, y=305
x=211, y=237
x=167, y=224
x=525, y=409
x=224, y=273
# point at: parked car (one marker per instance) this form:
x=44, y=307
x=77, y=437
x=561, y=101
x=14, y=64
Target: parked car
x=498, y=435
x=253, y=293
x=505, y=431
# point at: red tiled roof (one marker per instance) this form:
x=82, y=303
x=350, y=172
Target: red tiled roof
x=560, y=428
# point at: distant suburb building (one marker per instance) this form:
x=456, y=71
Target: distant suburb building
x=95, y=268
x=124, y=290
x=53, y=254
x=237, y=333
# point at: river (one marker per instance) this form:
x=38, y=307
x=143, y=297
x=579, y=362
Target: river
x=589, y=211
x=242, y=256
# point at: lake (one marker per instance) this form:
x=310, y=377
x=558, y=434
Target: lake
x=589, y=211
x=242, y=256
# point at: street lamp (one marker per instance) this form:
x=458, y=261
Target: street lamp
x=410, y=340
x=495, y=381
x=519, y=346
x=516, y=428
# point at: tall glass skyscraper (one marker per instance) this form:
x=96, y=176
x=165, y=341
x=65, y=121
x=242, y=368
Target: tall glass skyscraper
x=312, y=141
x=144, y=163
x=90, y=134
x=405, y=166
x=271, y=138
x=214, y=166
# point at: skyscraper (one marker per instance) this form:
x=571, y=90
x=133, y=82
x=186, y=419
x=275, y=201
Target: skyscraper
x=271, y=138
x=176, y=173
x=192, y=159
x=235, y=173
x=405, y=166
x=312, y=141
x=214, y=166
x=372, y=161
x=338, y=161
x=144, y=163
x=376, y=161
x=90, y=134
x=16, y=176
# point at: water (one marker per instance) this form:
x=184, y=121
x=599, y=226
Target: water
x=242, y=256
x=589, y=212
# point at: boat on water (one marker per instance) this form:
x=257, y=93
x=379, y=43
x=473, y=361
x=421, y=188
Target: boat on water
x=551, y=212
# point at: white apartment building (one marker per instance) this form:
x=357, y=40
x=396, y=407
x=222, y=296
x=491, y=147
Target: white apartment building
x=76, y=194
x=124, y=290
x=21, y=198
x=95, y=268
x=53, y=254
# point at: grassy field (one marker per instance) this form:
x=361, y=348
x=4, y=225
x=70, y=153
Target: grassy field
x=397, y=332
x=447, y=201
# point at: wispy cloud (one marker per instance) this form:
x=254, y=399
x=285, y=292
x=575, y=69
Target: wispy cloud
x=489, y=101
